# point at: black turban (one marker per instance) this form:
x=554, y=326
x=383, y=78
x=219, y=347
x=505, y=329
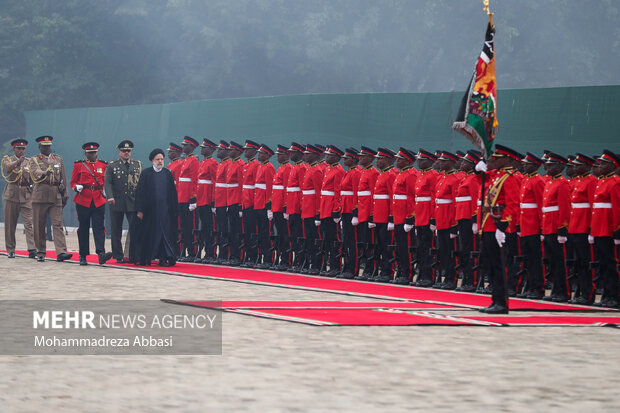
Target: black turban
x=154, y=153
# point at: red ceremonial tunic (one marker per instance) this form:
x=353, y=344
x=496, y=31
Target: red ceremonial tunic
x=556, y=206
x=250, y=169
x=502, y=191
x=206, y=181
x=467, y=196
x=581, y=199
x=263, y=185
x=365, y=190
x=403, y=196
x=530, y=204
x=425, y=196
x=187, y=180
x=293, y=188
x=348, y=189
x=382, y=196
x=311, y=191
x=175, y=168
x=278, y=189
x=331, y=202
x=221, y=187
x=606, y=207
x=234, y=180
x=93, y=189
x=445, y=200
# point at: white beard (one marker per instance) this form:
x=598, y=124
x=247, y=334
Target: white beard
x=158, y=168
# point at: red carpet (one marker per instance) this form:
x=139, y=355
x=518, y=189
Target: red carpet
x=350, y=305
x=346, y=287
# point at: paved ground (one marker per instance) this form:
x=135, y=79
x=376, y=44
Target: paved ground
x=278, y=366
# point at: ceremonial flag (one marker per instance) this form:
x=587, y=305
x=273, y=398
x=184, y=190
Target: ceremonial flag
x=477, y=116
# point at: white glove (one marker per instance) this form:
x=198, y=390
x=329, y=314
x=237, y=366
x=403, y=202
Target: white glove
x=518, y=234
x=390, y=226
x=481, y=166
x=474, y=227
x=213, y=210
x=562, y=240
x=408, y=227
x=286, y=216
x=269, y=214
x=616, y=241
x=240, y=214
x=355, y=221
x=340, y=224
x=590, y=239
x=452, y=236
x=371, y=225
x=78, y=188
x=336, y=220
x=542, y=238
x=317, y=223
x=192, y=207
x=433, y=227
x=500, y=236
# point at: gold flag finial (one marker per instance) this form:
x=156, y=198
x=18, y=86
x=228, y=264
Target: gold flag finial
x=486, y=6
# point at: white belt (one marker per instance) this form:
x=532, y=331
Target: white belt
x=308, y=192
x=528, y=205
x=276, y=187
x=261, y=186
x=326, y=193
x=205, y=181
x=232, y=185
x=220, y=185
x=363, y=193
x=293, y=189
x=185, y=179
x=602, y=205
x=479, y=203
x=399, y=197
x=345, y=193
x=462, y=198
x=443, y=201
x=551, y=208
x=379, y=196
x=423, y=199
x=248, y=186
x=578, y=205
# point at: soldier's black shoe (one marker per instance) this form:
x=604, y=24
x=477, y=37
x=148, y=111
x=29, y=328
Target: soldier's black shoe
x=448, y=286
x=556, y=298
x=495, y=309
x=32, y=253
x=198, y=259
x=424, y=283
x=466, y=288
x=312, y=271
x=608, y=303
x=104, y=257
x=233, y=262
x=535, y=295
x=41, y=258
x=382, y=278
x=400, y=281
x=83, y=260
x=363, y=277
x=582, y=301
x=347, y=275
x=63, y=256
x=438, y=285
x=332, y=273
x=11, y=255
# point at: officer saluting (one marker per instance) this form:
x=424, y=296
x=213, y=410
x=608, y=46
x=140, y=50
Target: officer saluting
x=87, y=181
x=17, y=197
x=121, y=181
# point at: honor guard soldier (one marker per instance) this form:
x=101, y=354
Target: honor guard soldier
x=605, y=226
x=17, y=197
x=205, y=201
x=276, y=212
x=555, y=216
x=187, y=183
x=363, y=211
x=348, y=200
x=87, y=181
x=499, y=214
x=220, y=198
x=262, y=204
x=321, y=161
x=310, y=204
x=250, y=168
x=424, y=210
x=234, y=199
x=403, y=206
x=120, y=183
x=174, y=154
x=382, y=215
x=49, y=197
x=530, y=226
x=466, y=207
x=445, y=219
x=331, y=208
x=292, y=210
x=583, y=186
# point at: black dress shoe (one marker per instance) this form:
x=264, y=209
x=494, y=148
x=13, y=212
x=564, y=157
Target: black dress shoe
x=448, y=286
x=424, y=283
x=609, y=303
x=495, y=309
x=63, y=256
x=11, y=255
x=438, y=285
x=382, y=278
x=233, y=262
x=312, y=271
x=41, y=258
x=332, y=273
x=535, y=295
x=466, y=288
x=582, y=301
x=32, y=253
x=120, y=260
x=400, y=281
x=83, y=260
x=347, y=275
x=104, y=257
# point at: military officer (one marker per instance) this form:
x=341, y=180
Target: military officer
x=234, y=199
x=49, y=197
x=120, y=183
x=262, y=204
x=174, y=154
x=187, y=183
x=250, y=229
x=204, y=199
x=331, y=207
x=17, y=197
x=278, y=205
x=348, y=199
x=220, y=195
x=363, y=211
x=310, y=205
x=292, y=207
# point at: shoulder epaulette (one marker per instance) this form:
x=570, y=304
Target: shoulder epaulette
x=79, y=161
